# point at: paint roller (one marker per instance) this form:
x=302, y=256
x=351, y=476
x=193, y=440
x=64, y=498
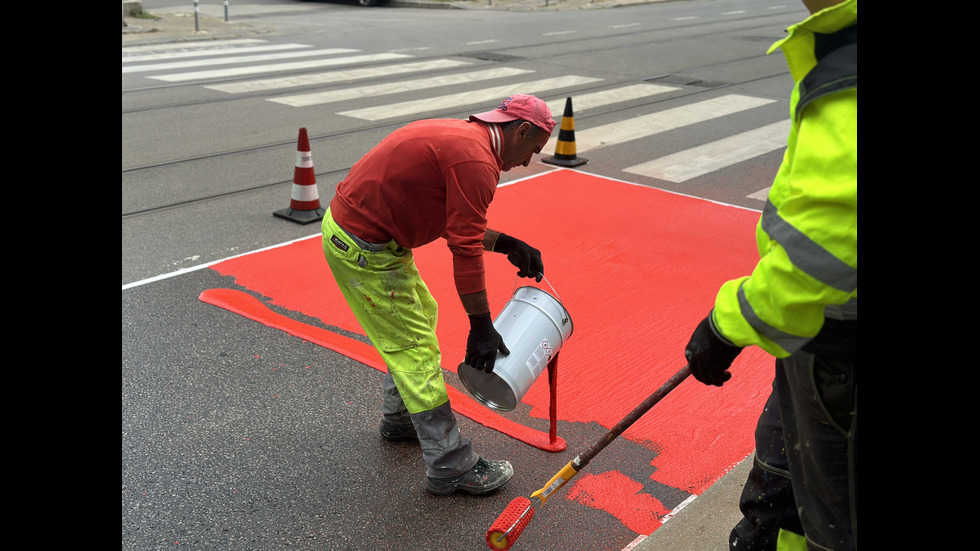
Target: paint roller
x=505, y=530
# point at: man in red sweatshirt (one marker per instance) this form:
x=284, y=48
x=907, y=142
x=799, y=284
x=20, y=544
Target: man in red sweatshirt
x=432, y=179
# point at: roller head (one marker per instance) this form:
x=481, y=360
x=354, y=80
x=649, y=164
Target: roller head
x=507, y=519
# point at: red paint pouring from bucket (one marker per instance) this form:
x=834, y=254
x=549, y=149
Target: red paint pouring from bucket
x=636, y=268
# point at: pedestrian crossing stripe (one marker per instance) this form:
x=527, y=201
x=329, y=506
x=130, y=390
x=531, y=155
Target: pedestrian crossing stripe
x=661, y=121
x=278, y=67
x=158, y=56
x=374, y=90
x=230, y=60
x=207, y=45
x=465, y=99
x=594, y=100
x=710, y=157
x=343, y=75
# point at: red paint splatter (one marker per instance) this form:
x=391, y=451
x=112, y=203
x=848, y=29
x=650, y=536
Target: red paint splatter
x=622, y=497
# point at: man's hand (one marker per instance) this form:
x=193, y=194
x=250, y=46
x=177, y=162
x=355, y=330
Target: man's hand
x=708, y=356
x=483, y=343
x=520, y=254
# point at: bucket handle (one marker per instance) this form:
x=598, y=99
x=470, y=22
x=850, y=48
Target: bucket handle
x=564, y=317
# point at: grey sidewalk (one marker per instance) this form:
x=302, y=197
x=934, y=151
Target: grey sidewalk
x=704, y=524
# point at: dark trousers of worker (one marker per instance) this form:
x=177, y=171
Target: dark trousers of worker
x=804, y=477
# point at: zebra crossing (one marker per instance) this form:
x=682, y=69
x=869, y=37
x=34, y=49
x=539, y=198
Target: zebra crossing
x=258, y=60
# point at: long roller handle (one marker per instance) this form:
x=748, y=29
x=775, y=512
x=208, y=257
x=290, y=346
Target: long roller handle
x=509, y=525
x=625, y=423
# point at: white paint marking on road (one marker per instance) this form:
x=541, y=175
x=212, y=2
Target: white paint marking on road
x=210, y=52
x=209, y=44
x=701, y=160
x=229, y=60
x=277, y=67
x=463, y=99
x=678, y=509
x=636, y=541
x=335, y=76
x=595, y=100
x=663, y=121
x=761, y=195
x=374, y=90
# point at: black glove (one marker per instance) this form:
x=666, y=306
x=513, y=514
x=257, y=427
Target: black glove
x=708, y=356
x=520, y=254
x=483, y=343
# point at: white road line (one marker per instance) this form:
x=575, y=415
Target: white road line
x=208, y=44
x=663, y=121
x=697, y=161
x=761, y=195
x=374, y=90
x=229, y=60
x=594, y=100
x=277, y=67
x=212, y=52
x=335, y=76
x=463, y=99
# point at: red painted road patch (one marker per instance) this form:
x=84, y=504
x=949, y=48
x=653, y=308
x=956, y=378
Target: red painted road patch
x=636, y=268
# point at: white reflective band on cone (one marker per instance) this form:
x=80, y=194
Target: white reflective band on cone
x=304, y=159
x=304, y=193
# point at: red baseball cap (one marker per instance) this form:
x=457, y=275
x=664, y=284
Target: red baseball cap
x=520, y=106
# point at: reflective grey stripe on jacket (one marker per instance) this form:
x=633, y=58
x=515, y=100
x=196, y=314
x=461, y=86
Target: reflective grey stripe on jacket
x=814, y=260
x=806, y=254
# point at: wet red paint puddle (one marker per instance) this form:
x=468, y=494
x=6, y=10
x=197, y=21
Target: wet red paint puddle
x=636, y=268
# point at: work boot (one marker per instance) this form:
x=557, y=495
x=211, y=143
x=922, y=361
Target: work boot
x=485, y=477
x=398, y=431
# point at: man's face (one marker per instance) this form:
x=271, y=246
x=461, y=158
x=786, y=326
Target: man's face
x=521, y=144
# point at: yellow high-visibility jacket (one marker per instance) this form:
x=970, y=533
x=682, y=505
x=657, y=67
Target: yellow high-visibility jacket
x=807, y=234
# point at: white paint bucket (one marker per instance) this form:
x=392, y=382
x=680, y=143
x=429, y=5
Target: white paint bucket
x=534, y=326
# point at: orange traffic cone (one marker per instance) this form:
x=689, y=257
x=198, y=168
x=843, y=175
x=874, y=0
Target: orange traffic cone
x=565, y=148
x=304, y=204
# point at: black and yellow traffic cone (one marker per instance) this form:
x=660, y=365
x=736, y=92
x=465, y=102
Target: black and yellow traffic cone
x=304, y=204
x=565, y=148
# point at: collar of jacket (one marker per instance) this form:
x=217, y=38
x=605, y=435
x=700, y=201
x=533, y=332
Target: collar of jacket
x=798, y=45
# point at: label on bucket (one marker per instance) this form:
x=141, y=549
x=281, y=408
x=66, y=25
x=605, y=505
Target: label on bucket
x=539, y=359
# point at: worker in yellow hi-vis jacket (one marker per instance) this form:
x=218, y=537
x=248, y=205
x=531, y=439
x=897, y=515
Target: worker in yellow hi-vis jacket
x=800, y=305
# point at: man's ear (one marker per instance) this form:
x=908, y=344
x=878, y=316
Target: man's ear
x=524, y=129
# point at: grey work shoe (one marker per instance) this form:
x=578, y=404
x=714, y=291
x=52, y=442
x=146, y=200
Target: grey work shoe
x=485, y=477
x=396, y=432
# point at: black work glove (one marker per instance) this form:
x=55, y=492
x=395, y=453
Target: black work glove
x=709, y=356
x=483, y=343
x=520, y=254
